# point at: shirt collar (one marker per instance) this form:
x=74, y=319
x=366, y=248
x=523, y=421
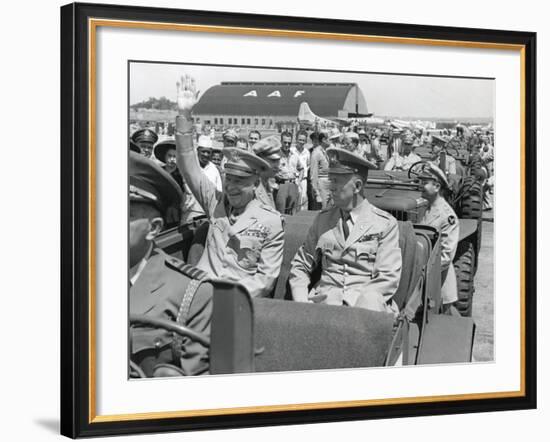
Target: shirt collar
x=141, y=266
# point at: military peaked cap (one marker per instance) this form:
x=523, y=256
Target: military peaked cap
x=151, y=184
x=343, y=161
x=432, y=172
x=145, y=136
x=243, y=163
x=269, y=147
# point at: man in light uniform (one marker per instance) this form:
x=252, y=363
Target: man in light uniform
x=406, y=160
x=245, y=239
x=441, y=216
x=356, y=244
x=441, y=158
x=269, y=149
x=320, y=185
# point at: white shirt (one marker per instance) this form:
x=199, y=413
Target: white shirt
x=211, y=171
x=302, y=157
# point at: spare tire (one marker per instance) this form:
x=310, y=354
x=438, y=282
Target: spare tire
x=464, y=264
x=471, y=203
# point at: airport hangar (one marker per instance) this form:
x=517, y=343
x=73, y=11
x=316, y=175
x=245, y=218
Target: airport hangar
x=273, y=106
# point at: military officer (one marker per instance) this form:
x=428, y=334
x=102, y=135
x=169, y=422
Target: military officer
x=440, y=215
x=405, y=159
x=268, y=149
x=161, y=286
x=441, y=158
x=356, y=244
x=145, y=139
x=245, y=239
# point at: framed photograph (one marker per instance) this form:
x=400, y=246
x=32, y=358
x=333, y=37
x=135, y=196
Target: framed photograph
x=273, y=220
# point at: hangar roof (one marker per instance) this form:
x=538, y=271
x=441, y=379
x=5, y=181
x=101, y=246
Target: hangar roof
x=278, y=99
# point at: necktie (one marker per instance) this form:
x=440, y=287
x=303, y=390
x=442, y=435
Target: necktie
x=346, y=216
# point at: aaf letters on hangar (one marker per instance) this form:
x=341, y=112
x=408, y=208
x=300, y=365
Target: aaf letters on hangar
x=291, y=221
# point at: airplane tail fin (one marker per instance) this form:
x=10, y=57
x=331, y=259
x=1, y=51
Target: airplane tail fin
x=306, y=115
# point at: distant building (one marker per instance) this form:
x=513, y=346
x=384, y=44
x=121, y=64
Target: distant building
x=274, y=106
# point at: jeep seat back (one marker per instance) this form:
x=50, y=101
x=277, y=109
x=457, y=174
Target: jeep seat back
x=296, y=228
x=413, y=260
x=291, y=336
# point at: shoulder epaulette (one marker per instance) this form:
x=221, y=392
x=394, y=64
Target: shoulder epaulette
x=186, y=269
x=382, y=213
x=268, y=207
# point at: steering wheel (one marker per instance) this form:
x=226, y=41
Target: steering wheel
x=417, y=169
x=167, y=325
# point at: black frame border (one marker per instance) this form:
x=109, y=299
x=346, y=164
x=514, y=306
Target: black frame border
x=75, y=219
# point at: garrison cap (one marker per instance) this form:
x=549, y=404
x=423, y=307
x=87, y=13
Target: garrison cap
x=342, y=161
x=439, y=140
x=149, y=183
x=432, y=172
x=134, y=147
x=243, y=163
x=269, y=147
x=230, y=134
x=163, y=147
x=145, y=136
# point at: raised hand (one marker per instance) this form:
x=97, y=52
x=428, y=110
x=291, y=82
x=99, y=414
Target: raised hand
x=187, y=94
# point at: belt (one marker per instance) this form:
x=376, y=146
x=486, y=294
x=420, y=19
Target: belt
x=282, y=181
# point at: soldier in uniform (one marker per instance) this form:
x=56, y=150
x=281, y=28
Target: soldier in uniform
x=320, y=185
x=162, y=287
x=441, y=158
x=245, y=239
x=403, y=160
x=356, y=244
x=145, y=139
x=268, y=149
x=441, y=216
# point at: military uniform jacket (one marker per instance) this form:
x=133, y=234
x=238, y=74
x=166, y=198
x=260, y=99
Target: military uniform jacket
x=158, y=292
x=264, y=195
x=251, y=249
x=441, y=216
x=367, y=264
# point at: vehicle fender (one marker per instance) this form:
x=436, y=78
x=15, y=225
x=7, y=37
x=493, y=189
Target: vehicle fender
x=446, y=339
x=467, y=227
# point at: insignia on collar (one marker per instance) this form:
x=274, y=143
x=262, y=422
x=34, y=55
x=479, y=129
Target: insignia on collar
x=452, y=220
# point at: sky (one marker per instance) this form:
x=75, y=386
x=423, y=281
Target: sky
x=385, y=94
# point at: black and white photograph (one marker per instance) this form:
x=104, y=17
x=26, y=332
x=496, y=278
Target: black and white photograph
x=292, y=219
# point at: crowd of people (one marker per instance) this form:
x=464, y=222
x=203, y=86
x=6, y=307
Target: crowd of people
x=241, y=190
